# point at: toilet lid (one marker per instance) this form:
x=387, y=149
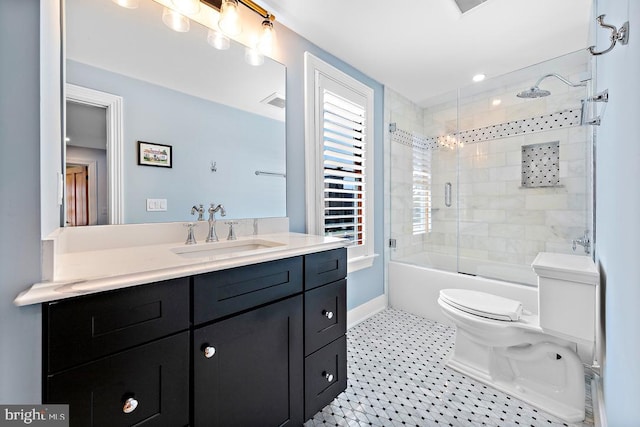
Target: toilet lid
x=483, y=304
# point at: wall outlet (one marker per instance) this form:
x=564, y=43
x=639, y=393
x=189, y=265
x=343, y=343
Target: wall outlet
x=156, y=205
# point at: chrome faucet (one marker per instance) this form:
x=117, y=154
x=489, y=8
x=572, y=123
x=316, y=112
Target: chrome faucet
x=212, y=236
x=200, y=211
x=583, y=241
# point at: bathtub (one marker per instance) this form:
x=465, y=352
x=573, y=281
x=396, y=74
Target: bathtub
x=414, y=288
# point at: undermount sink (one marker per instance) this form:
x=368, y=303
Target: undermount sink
x=239, y=247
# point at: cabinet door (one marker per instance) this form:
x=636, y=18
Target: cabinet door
x=154, y=376
x=325, y=315
x=325, y=376
x=252, y=372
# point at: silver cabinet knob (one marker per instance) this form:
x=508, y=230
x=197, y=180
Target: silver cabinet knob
x=327, y=376
x=130, y=405
x=328, y=314
x=209, y=351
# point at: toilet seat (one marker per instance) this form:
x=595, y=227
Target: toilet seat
x=483, y=304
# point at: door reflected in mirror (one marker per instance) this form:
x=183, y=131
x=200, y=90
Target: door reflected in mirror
x=209, y=105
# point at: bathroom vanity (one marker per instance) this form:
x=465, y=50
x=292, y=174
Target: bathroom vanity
x=258, y=344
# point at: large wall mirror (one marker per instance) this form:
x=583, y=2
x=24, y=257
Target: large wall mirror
x=213, y=126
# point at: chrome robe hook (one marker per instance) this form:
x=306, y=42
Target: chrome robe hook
x=621, y=35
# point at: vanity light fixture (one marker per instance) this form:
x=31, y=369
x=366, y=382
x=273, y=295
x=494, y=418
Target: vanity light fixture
x=129, y=4
x=187, y=7
x=265, y=44
x=229, y=21
x=218, y=40
x=176, y=12
x=175, y=21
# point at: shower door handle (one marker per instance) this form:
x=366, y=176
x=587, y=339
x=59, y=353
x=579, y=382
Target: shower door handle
x=447, y=194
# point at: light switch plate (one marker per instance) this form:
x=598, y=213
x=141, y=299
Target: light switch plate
x=156, y=205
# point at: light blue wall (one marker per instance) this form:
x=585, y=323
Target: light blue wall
x=20, y=346
x=364, y=284
x=200, y=131
x=618, y=212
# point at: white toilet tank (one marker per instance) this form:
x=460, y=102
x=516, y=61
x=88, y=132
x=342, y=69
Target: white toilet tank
x=567, y=295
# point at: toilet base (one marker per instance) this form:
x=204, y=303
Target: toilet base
x=545, y=375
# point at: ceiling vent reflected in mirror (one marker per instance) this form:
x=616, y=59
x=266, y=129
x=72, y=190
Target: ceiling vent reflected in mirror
x=467, y=5
x=275, y=99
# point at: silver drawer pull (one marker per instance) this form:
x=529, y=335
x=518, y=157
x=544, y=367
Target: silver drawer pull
x=327, y=376
x=209, y=351
x=130, y=405
x=327, y=314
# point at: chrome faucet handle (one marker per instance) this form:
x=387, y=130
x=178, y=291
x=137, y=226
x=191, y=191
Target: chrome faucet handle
x=191, y=239
x=232, y=233
x=200, y=211
x=583, y=241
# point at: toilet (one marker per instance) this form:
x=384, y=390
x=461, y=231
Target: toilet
x=537, y=358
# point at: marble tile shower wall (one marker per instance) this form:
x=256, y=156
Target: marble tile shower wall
x=491, y=217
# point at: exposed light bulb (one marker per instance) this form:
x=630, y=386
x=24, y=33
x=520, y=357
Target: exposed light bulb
x=479, y=77
x=175, y=21
x=253, y=57
x=218, y=40
x=187, y=7
x=265, y=44
x=229, y=21
x=129, y=4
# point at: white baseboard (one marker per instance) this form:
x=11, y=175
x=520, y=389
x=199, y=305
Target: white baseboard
x=366, y=310
x=597, y=400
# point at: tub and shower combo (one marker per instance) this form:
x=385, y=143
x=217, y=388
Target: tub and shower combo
x=490, y=224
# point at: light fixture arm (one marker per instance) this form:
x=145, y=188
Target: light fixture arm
x=258, y=9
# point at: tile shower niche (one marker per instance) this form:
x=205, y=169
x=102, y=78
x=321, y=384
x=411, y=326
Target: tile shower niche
x=541, y=165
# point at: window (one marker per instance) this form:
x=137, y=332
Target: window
x=339, y=158
x=421, y=190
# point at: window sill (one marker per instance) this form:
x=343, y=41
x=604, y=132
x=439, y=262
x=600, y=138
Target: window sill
x=360, y=263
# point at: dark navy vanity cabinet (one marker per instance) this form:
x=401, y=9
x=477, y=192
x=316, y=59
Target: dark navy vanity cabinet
x=260, y=345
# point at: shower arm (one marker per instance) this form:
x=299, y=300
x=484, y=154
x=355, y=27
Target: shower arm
x=562, y=79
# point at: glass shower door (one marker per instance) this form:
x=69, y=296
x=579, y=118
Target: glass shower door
x=423, y=170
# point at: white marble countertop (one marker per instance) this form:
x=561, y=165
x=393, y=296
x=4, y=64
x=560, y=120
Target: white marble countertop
x=88, y=272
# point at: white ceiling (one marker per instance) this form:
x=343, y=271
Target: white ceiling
x=423, y=48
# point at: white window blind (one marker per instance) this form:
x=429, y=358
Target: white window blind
x=421, y=191
x=339, y=159
x=344, y=171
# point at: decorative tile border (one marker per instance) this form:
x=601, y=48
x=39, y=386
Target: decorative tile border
x=561, y=119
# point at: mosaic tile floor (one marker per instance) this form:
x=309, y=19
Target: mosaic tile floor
x=397, y=377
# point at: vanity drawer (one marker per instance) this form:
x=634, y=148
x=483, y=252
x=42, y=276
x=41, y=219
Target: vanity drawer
x=155, y=375
x=225, y=292
x=325, y=374
x=82, y=329
x=325, y=315
x=324, y=267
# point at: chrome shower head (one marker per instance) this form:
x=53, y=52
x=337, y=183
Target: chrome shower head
x=534, y=92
